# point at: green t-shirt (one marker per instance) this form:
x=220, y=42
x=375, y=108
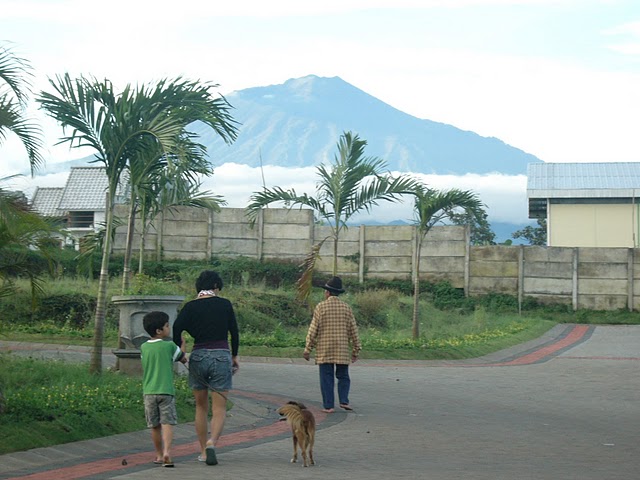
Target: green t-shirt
x=157, y=366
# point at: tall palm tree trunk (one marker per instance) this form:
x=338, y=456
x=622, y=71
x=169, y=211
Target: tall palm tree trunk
x=126, y=269
x=335, y=255
x=143, y=235
x=95, y=365
x=415, y=324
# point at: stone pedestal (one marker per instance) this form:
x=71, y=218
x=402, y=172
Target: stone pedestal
x=131, y=331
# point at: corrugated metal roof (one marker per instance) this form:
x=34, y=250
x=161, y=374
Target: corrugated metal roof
x=583, y=176
x=46, y=200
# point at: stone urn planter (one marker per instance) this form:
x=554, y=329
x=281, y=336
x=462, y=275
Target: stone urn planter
x=132, y=309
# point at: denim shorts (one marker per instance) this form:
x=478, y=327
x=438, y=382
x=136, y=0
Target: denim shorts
x=210, y=370
x=160, y=410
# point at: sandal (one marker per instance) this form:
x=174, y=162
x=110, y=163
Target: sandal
x=346, y=406
x=210, y=452
x=327, y=410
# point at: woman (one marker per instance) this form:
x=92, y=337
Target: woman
x=210, y=320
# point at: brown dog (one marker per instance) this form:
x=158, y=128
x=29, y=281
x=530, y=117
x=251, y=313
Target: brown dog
x=303, y=428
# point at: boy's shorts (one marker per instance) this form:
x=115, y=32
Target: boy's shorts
x=160, y=410
x=210, y=370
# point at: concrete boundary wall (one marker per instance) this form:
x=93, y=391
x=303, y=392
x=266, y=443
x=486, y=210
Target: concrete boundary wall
x=591, y=278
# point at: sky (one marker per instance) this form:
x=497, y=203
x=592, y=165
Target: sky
x=556, y=78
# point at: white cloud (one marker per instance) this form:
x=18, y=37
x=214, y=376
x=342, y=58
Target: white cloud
x=626, y=48
x=126, y=11
x=504, y=195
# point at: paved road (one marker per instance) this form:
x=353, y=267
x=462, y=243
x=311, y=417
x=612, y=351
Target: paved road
x=565, y=406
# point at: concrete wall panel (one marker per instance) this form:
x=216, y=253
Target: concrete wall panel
x=548, y=286
x=548, y=269
x=494, y=269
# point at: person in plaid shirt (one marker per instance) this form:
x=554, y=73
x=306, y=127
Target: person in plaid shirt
x=334, y=334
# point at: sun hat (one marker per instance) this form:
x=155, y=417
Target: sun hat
x=334, y=285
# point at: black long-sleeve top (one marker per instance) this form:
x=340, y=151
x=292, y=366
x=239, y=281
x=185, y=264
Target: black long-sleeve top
x=210, y=321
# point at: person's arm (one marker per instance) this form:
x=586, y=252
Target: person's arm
x=235, y=341
x=178, y=328
x=356, y=346
x=312, y=335
x=179, y=355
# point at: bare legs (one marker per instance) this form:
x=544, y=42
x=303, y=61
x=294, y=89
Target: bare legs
x=202, y=410
x=162, y=438
x=218, y=416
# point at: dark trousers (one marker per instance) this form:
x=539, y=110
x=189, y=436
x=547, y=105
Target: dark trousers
x=327, y=371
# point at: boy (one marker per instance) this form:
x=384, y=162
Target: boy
x=157, y=357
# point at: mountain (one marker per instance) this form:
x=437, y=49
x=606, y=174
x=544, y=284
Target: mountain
x=298, y=123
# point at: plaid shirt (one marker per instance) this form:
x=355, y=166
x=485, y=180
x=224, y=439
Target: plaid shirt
x=332, y=328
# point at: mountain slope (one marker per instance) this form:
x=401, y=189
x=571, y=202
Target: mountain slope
x=299, y=122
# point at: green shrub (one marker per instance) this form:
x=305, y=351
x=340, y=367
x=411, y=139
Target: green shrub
x=498, y=302
x=75, y=310
x=370, y=307
x=262, y=311
x=142, y=284
x=446, y=297
x=246, y=271
x=404, y=287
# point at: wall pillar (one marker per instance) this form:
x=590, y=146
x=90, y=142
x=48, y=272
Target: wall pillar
x=159, y=232
x=467, y=260
x=630, y=279
x=520, y=277
x=574, y=269
x=210, y=221
x=361, y=259
x=260, y=234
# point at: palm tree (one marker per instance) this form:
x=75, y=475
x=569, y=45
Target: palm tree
x=21, y=233
x=120, y=126
x=172, y=188
x=20, y=229
x=14, y=94
x=159, y=180
x=431, y=207
x=351, y=184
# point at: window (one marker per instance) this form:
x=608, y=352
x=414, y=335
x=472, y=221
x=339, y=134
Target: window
x=81, y=219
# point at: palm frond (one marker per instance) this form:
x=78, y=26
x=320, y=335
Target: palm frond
x=28, y=132
x=305, y=282
x=290, y=198
x=16, y=72
x=433, y=206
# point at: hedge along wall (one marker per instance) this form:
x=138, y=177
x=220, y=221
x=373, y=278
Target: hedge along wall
x=592, y=278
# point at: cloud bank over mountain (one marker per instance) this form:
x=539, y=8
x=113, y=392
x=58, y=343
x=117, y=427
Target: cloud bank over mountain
x=504, y=195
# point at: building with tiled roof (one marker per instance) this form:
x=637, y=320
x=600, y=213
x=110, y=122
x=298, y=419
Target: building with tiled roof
x=46, y=201
x=586, y=204
x=81, y=202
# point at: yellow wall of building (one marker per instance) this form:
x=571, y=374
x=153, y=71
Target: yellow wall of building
x=592, y=225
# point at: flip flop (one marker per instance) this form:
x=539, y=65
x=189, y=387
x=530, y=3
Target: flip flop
x=168, y=464
x=346, y=407
x=327, y=410
x=158, y=462
x=210, y=452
